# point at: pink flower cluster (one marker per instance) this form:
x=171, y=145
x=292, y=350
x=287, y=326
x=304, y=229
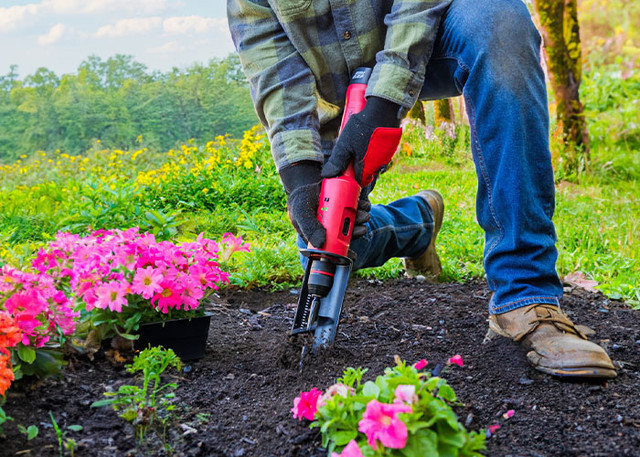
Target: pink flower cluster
x=40, y=310
x=114, y=269
x=380, y=421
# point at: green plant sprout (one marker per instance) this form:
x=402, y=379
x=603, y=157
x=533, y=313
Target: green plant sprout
x=151, y=403
x=63, y=443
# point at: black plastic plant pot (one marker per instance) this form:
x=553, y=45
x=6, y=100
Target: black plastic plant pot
x=187, y=337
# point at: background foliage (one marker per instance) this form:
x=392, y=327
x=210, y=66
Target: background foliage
x=115, y=146
x=118, y=100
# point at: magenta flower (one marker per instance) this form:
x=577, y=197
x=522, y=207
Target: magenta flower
x=493, y=428
x=146, y=282
x=509, y=414
x=380, y=422
x=405, y=394
x=420, y=364
x=350, y=450
x=235, y=243
x=112, y=295
x=169, y=296
x=456, y=359
x=307, y=404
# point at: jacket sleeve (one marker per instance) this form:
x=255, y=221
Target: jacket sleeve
x=282, y=85
x=400, y=67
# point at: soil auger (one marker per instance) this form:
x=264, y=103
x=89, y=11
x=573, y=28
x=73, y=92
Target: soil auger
x=327, y=272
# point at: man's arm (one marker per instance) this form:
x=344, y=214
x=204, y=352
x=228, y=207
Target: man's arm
x=282, y=85
x=395, y=82
x=399, y=73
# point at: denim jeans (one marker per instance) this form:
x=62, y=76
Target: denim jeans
x=488, y=51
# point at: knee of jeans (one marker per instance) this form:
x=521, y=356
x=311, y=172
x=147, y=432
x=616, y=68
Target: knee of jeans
x=507, y=43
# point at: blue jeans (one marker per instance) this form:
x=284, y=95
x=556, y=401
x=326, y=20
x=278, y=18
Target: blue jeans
x=488, y=51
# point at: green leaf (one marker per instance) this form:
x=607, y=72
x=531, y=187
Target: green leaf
x=32, y=432
x=449, y=435
x=370, y=389
x=27, y=354
x=446, y=393
x=342, y=437
x=105, y=402
x=75, y=428
x=421, y=444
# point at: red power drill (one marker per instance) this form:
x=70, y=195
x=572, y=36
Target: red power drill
x=327, y=273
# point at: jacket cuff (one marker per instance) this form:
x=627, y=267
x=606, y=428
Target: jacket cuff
x=396, y=84
x=291, y=146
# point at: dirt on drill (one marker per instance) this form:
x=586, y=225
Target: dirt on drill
x=236, y=401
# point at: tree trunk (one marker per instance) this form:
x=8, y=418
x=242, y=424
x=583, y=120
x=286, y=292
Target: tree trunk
x=443, y=111
x=417, y=113
x=561, y=33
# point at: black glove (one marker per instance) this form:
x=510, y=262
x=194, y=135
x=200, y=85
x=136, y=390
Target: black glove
x=362, y=216
x=302, y=184
x=354, y=139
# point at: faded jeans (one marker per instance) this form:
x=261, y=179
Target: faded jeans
x=488, y=51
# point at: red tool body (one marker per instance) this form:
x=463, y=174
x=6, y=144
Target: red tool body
x=329, y=266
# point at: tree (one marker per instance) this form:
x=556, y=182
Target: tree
x=561, y=33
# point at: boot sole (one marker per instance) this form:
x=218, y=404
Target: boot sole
x=584, y=372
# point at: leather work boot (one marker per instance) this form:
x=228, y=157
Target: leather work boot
x=428, y=263
x=557, y=346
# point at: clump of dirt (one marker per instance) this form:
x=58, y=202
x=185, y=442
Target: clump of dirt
x=236, y=401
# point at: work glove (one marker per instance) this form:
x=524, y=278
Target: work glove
x=302, y=182
x=353, y=141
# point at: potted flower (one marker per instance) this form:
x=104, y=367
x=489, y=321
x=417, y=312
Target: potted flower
x=126, y=283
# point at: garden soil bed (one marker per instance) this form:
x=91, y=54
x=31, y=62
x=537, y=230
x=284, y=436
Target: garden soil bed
x=236, y=401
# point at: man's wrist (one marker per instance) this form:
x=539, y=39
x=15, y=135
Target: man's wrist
x=380, y=112
x=300, y=174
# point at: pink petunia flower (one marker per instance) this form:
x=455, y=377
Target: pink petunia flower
x=146, y=282
x=509, y=414
x=112, y=295
x=307, y=404
x=405, y=394
x=493, y=428
x=191, y=292
x=169, y=296
x=350, y=450
x=341, y=390
x=420, y=364
x=456, y=359
x=380, y=422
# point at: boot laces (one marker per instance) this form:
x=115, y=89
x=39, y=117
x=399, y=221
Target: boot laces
x=551, y=314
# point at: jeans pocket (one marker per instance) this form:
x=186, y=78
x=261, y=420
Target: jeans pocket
x=289, y=9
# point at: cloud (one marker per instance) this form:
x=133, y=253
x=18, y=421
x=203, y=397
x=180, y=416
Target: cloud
x=16, y=16
x=192, y=24
x=133, y=26
x=167, y=48
x=55, y=33
x=103, y=6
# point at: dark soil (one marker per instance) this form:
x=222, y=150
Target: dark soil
x=236, y=401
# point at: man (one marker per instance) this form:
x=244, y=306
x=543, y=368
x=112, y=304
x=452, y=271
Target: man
x=298, y=56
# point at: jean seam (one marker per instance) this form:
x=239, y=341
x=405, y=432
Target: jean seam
x=485, y=178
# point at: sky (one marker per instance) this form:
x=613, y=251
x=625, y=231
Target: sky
x=60, y=34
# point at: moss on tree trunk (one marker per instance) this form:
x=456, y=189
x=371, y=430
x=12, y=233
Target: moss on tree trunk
x=561, y=33
x=443, y=111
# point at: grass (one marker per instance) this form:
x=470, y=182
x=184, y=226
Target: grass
x=596, y=216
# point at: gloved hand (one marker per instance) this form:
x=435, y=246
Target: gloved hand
x=362, y=216
x=302, y=184
x=354, y=139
